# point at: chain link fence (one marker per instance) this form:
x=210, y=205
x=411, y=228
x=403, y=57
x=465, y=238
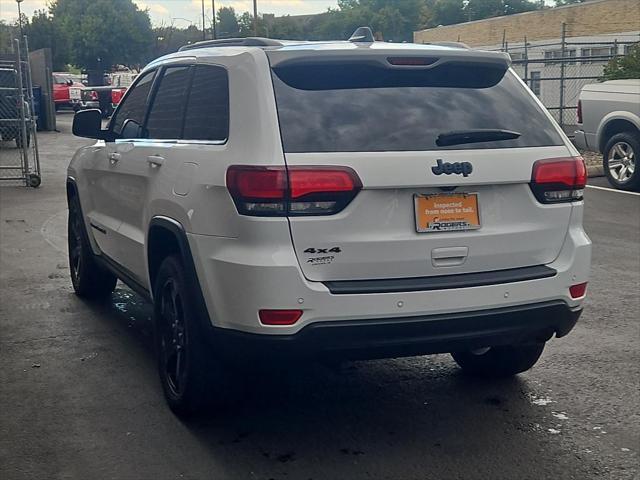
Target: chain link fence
x=557, y=71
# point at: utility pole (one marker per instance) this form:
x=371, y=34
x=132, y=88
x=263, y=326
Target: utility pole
x=255, y=18
x=213, y=7
x=20, y=17
x=563, y=54
x=204, y=28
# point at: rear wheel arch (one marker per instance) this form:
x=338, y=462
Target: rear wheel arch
x=613, y=127
x=72, y=189
x=165, y=237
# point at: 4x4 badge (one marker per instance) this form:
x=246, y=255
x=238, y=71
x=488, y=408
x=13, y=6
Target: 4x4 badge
x=464, y=168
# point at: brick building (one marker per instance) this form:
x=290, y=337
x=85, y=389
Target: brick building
x=598, y=17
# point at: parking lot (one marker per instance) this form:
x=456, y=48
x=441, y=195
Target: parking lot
x=80, y=398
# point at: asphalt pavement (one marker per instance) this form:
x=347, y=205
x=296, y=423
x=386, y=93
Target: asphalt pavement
x=80, y=398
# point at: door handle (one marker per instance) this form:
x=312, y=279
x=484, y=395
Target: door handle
x=155, y=160
x=449, y=256
x=114, y=158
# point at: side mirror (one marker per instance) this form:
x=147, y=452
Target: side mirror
x=69, y=82
x=88, y=124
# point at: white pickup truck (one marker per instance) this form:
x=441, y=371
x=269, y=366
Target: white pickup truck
x=609, y=123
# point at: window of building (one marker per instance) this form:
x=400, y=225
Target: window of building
x=534, y=83
x=165, y=116
x=601, y=54
x=551, y=55
x=517, y=56
x=207, y=116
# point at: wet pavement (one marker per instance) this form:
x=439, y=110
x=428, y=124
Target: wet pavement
x=80, y=398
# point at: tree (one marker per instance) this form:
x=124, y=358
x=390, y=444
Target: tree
x=43, y=32
x=102, y=33
x=287, y=28
x=620, y=68
x=169, y=39
x=448, y=12
x=518, y=6
x=479, y=9
x=227, y=23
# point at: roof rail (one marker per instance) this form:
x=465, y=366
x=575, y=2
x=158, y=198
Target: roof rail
x=234, y=42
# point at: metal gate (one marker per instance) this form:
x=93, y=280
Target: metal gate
x=19, y=159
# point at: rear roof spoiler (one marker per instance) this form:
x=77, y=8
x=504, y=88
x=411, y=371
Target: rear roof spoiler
x=381, y=52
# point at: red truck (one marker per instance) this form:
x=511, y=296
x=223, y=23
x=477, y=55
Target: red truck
x=61, y=83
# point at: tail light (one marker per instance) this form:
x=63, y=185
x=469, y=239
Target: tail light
x=558, y=180
x=579, y=112
x=116, y=95
x=293, y=191
x=279, y=317
x=578, y=291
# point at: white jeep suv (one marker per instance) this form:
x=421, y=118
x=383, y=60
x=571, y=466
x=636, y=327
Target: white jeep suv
x=339, y=200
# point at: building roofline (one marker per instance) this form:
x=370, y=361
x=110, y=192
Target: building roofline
x=485, y=20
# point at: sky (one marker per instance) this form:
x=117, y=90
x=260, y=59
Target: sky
x=185, y=11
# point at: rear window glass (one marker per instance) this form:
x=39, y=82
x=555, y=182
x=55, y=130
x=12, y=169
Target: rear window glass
x=368, y=108
x=207, y=116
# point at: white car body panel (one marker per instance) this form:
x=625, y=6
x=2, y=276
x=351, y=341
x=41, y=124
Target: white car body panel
x=246, y=263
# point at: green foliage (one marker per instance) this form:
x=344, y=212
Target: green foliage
x=228, y=23
x=286, y=28
x=478, y=9
x=97, y=34
x=620, y=68
x=446, y=12
x=102, y=33
x=43, y=32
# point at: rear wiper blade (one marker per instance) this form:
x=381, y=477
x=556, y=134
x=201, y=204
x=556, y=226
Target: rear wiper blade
x=474, y=136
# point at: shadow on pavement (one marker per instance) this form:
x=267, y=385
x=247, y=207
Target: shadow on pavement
x=403, y=418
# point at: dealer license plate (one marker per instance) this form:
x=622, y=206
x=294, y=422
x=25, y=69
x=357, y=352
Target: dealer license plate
x=447, y=212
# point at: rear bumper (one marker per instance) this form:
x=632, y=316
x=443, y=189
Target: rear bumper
x=580, y=140
x=585, y=141
x=405, y=336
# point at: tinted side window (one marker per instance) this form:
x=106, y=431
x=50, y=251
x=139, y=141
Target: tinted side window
x=134, y=105
x=207, y=116
x=165, y=116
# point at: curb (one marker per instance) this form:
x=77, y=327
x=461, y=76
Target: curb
x=595, y=171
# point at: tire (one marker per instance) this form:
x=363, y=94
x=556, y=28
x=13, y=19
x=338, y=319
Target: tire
x=497, y=362
x=192, y=378
x=620, y=161
x=89, y=279
x=34, y=180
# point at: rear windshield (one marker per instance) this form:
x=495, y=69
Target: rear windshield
x=365, y=107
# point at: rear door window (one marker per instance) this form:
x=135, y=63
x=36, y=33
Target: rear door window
x=370, y=108
x=207, y=115
x=166, y=113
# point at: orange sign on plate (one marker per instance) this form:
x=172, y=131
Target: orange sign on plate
x=447, y=212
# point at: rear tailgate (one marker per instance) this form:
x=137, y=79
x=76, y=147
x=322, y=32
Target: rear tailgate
x=377, y=236
x=382, y=121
